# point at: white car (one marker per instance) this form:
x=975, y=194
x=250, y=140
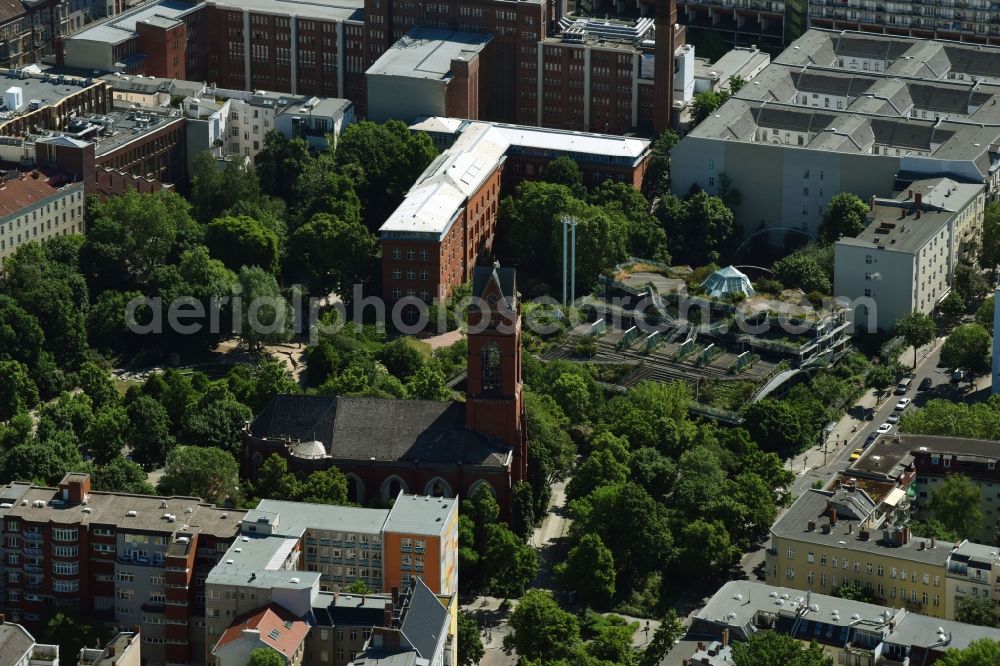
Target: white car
x=902, y=404
x=884, y=428
x=892, y=418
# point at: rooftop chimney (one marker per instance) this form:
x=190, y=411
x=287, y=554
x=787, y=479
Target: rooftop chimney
x=871, y=204
x=909, y=194
x=833, y=516
x=812, y=525
x=725, y=637
x=932, y=542
x=919, y=198
x=850, y=528
x=865, y=535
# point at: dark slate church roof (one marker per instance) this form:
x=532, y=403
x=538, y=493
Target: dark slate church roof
x=384, y=429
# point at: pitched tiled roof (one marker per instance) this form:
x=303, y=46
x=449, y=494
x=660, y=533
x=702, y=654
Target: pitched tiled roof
x=383, y=429
x=278, y=629
x=15, y=641
x=426, y=621
x=10, y=10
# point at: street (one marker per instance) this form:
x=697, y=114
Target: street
x=851, y=431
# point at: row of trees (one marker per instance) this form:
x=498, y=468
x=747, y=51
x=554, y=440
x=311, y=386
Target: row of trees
x=655, y=492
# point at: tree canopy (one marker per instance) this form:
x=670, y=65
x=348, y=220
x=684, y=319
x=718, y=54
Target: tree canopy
x=844, y=215
x=955, y=503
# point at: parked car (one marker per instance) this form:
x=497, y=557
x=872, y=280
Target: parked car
x=958, y=375
x=903, y=386
x=902, y=404
x=872, y=438
x=884, y=428
x=925, y=384
x=892, y=418
x=857, y=454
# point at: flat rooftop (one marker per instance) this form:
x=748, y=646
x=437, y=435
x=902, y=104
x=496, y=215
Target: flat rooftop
x=296, y=517
x=47, y=89
x=122, y=27
x=44, y=505
x=896, y=225
x=890, y=456
x=420, y=514
x=427, y=53
x=319, y=10
x=737, y=603
x=812, y=506
x=20, y=189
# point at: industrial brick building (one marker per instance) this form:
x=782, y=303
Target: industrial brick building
x=595, y=75
x=433, y=240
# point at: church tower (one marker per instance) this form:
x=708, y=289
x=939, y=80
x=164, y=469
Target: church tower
x=494, y=402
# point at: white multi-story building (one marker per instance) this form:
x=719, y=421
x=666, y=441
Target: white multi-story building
x=905, y=258
x=35, y=206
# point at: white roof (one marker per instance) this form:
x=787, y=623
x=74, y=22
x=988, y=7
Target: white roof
x=439, y=194
x=456, y=174
x=121, y=28
x=427, y=53
x=438, y=124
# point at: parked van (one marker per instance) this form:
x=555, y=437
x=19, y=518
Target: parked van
x=903, y=386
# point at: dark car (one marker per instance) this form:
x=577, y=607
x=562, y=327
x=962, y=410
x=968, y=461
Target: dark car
x=925, y=384
x=872, y=438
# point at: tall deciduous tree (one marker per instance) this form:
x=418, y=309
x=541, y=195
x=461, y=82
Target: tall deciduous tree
x=967, y=347
x=541, y=630
x=956, y=503
x=265, y=657
x=845, y=215
x=657, y=179
x=215, y=190
x=335, y=254
x=386, y=159
x=565, y=171
x=989, y=255
x=280, y=163
x=801, y=270
x=982, y=651
x=980, y=612
x=771, y=647
x=131, y=235
x=590, y=570
x=205, y=472
x=241, y=240
x=918, y=329
x=265, y=316
x=670, y=629
x=17, y=390
x=470, y=645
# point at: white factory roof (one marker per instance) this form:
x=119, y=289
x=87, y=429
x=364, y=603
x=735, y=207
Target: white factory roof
x=437, y=197
x=440, y=192
x=426, y=53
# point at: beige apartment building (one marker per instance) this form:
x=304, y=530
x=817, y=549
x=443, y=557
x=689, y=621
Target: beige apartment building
x=904, y=259
x=35, y=206
x=830, y=538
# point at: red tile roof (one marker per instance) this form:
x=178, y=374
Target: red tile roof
x=278, y=629
x=25, y=190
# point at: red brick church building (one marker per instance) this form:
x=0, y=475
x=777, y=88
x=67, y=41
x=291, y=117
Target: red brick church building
x=427, y=447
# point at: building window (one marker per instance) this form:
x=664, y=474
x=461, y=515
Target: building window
x=490, y=361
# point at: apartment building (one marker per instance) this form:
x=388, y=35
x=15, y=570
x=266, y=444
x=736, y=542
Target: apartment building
x=904, y=259
x=35, y=205
x=296, y=558
x=849, y=632
x=769, y=24
x=125, y=649
x=232, y=123
x=311, y=628
x=18, y=647
x=326, y=50
x=430, y=244
x=133, y=560
x=848, y=535
x=971, y=21
x=820, y=120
